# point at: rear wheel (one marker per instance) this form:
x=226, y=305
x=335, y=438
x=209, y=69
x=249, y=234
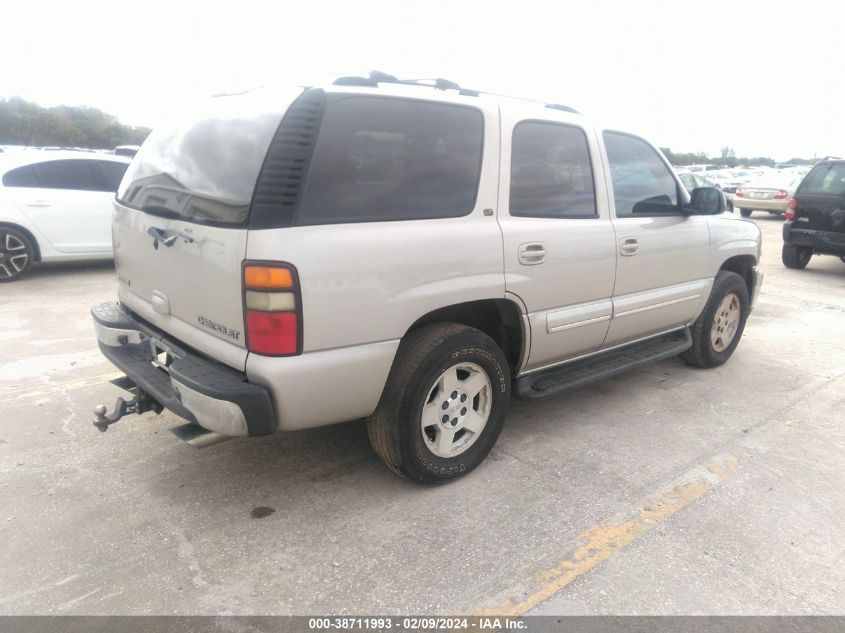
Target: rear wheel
x=796, y=256
x=444, y=403
x=717, y=331
x=17, y=253
x=746, y=213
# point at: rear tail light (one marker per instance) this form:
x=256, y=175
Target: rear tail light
x=781, y=194
x=272, y=309
x=739, y=192
x=790, y=210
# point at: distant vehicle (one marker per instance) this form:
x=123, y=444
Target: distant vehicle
x=126, y=150
x=55, y=206
x=815, y=219
x=691, y=180
x=771, y=194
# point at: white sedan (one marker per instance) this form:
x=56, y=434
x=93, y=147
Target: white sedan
x=55, y=205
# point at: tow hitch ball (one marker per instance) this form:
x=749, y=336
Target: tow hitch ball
x=139, y=404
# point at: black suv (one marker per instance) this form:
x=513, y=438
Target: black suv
x=816, y=216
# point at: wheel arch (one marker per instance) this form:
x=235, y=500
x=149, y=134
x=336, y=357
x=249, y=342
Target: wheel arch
x=500, y=319
x=743, y=266
x=29, y=235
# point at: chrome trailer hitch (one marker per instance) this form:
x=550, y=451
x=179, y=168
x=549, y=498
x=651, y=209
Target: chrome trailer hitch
x=141, y=403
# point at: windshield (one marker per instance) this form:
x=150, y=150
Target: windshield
x=204, y=169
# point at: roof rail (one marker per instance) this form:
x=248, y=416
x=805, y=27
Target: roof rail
x=376, y=77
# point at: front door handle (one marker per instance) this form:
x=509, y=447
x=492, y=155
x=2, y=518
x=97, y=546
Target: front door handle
x=532, y=253
x=628, y=246
x=38, y=203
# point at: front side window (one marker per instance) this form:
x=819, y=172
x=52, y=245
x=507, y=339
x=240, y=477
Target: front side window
x=642, y=183
x=67, y=174
x=379, y=159
x=551, y=175
x=825, y=179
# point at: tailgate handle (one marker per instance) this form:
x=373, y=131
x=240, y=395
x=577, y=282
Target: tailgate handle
x=168, y=240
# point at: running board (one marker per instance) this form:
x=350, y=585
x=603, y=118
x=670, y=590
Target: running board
x=551, y=382
x=199, y=437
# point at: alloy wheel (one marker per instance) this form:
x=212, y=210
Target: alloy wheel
x=14, y=255
x=725, y=322
x=456, y=410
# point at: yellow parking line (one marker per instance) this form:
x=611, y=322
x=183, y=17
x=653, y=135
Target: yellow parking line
x=50, y=389
x=601, y=541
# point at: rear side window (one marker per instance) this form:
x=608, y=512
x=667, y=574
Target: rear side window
x=20, y=177
x=642, y=183
x=826, y=179
x=551, y=175
x=380, y=159
x=68, y=174
x=111, y=173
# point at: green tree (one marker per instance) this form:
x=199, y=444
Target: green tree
x=25, y=123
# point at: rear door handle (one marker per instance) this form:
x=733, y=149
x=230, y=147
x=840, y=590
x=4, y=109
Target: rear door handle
x=38, y=203
x=628, y=246
x=532, y=253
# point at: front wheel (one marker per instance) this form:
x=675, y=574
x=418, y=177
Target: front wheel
x=746, y=213
x=795, y=256
x=444, y=403
x=717, y=331
x=17, y=253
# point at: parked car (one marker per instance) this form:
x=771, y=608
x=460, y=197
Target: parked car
x=815, y=219
x=692, y=181
x=126, y=150
x=55, y=205
x=771, y=194
x=409, y=255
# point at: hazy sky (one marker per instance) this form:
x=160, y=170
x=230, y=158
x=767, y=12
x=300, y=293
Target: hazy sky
x=763, y=77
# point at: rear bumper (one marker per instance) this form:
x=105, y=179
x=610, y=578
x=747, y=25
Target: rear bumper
x=200, y=390
x=824, y=242
x=756, y=204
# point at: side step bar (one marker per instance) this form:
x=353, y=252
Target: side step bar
x=557, y=380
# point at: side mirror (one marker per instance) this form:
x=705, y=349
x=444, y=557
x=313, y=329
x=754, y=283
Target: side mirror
x=707, y=201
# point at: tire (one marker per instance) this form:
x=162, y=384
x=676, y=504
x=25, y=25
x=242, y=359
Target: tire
x=795, y=256
x=746, y=213
x=717, y=331
x=440, y=366
x=17, y=252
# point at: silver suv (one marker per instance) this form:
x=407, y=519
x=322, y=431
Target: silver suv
x=410, y=254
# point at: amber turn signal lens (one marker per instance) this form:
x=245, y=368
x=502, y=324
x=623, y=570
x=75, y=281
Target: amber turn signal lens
x=267, y=277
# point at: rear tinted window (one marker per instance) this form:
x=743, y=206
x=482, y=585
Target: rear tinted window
x=382, y=159
x=111, y=173
x=826, y=179
x=551, y=175
x=204, y=170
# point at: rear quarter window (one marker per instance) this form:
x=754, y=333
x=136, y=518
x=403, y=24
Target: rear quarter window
x=381, y=159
